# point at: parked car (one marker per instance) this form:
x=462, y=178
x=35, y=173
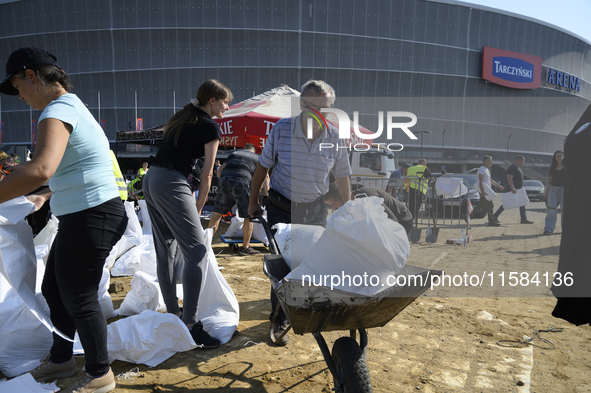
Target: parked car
x=535, y=190
x=450, y=206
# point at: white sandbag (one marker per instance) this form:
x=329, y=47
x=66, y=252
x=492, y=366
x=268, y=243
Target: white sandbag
x=359, y=240
x=148, y=338
x=26, y=383
x=235, y=229
x=144, y=295
x=124, y=244
x=218, y=307
x=23, y=338
x=134, y=228
x=47, y=234
x=131, y=237
x=450, y=187
x=15, y=210
x=511, y=201
x=18, y=263
x=103, y=295
x=146, y=223
x=490, y=194
x=295, y=241
x=140, y=258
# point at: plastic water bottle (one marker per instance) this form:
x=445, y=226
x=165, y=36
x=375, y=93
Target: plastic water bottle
x=463, y=237
x=429, y=232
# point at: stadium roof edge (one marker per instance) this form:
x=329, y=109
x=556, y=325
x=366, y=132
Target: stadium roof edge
x=509, y=13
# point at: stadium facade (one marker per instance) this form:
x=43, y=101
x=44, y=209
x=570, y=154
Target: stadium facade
x=143, y=59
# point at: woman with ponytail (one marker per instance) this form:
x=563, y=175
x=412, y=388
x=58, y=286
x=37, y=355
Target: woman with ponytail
x=190, y=134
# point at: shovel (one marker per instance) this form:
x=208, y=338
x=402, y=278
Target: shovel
x=434, y=230
x=415, y=233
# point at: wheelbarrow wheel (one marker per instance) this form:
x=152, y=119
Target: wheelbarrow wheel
x=352, y=372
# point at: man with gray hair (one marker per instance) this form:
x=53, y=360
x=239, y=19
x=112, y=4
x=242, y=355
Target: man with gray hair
x=301, y=167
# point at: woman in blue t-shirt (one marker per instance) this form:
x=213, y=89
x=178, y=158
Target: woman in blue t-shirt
x=72, y=152
x=190, y=134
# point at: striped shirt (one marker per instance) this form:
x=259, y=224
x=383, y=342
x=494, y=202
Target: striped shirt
x=301, y=168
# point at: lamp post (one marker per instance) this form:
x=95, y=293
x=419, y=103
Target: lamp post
x=508, y=138
x=442, y=146
x=422, y=132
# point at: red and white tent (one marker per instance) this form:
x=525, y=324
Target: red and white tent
x=251, y=120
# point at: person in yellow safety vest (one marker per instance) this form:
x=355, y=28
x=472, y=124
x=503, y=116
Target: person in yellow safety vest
x=418, y=180
x=121, y=185
x=143, y=170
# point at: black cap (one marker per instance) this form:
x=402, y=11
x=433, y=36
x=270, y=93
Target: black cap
x=22, y=59
x=405, y=165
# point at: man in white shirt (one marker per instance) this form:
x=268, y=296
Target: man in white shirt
x=485, y=179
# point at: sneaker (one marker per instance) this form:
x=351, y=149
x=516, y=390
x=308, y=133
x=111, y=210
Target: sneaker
x=526, y=222
x=48, y=370
x=494, y=224
x=277, y=331
x=547, y=233
x=203, y=338
x=248, y=251
x=89, y=384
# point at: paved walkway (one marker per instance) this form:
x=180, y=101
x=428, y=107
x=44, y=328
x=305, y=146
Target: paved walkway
x=511, y=260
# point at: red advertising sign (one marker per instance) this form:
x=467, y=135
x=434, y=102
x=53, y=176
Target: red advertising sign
x=511, y=69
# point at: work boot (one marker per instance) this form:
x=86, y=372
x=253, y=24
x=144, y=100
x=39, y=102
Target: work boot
x=278, y=329
x=48, y=370
x=526, y=222
x=203, y=338
x=89, y=384
x=494, y=223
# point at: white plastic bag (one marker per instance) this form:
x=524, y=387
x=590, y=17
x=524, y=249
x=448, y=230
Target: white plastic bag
x=359, y=240
x=511, y=201
x=148, y=338
x=295, y=241
x=218, y=307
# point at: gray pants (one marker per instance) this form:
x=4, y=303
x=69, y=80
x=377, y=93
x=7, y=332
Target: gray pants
x=171, y=206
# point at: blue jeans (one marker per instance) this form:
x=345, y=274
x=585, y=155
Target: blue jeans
x=555, y=197
x=175, y=221
x=521, y=212
x=72, y=276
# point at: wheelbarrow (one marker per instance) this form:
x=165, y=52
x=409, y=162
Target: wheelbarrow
x=317, y=309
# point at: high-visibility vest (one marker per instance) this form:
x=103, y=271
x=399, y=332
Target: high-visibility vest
x=414, y=176
x=121, y=185
x=142, y=171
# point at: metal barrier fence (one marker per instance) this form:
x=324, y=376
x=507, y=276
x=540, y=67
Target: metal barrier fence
x=430, y=208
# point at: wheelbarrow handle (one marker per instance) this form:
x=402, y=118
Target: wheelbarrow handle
x=272, y=244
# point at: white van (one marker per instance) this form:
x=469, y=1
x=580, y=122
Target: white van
x=372, y=167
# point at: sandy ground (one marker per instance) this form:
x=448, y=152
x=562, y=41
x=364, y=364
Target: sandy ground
x=445, y=341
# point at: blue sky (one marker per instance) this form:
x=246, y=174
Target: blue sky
x=572, y=15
